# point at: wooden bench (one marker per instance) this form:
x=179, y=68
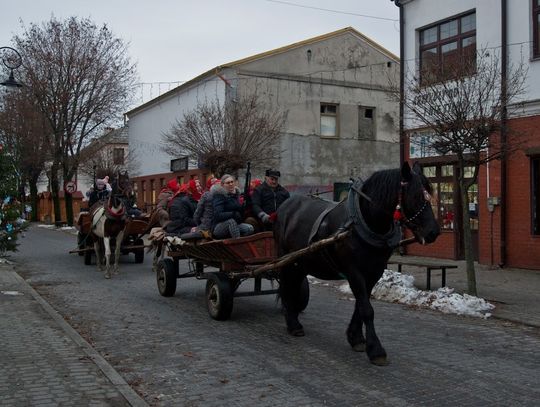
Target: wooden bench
x=429, y=267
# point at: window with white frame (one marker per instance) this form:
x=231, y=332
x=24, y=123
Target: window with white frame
x=447, y=45
x=329, y=119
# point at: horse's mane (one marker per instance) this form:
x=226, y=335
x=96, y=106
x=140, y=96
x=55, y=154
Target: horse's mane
x=383, y=186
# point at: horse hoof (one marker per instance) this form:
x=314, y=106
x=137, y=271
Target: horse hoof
x=380, y=361
x=296, y=332
x=360, y=347
x=107, y=276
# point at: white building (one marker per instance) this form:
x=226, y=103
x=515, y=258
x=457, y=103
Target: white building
x=334, y=89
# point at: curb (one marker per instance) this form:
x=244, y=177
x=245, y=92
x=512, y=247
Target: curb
x=123, y=387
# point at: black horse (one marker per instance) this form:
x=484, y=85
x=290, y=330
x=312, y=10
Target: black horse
x=372, y=213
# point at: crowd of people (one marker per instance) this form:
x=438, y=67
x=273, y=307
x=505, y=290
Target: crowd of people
x=220, y=211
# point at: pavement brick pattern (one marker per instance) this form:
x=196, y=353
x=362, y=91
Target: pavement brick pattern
x=39, y=365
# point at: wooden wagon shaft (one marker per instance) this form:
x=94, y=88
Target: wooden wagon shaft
x=88, y=249
x=288, y=258
x=91, y=249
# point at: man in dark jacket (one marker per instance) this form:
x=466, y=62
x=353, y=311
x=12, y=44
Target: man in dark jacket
x=267, y=198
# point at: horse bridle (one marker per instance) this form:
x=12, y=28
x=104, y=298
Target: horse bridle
x=399, y=214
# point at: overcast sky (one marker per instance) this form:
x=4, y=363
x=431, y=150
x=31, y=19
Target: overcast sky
x=176, y=40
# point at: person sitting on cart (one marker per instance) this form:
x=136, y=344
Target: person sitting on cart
x=195, y=188
x=204, y=214
x=166, y=194
x=181, y=210
x=101, y=192
x=267, y=198
x=228, y=211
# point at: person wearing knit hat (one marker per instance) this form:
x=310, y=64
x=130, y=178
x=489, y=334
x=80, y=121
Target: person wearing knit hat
x=227, y=217
x=195, y=189
x=166, y=193
x=204, y=214
x=210, y=182
x=181, y=209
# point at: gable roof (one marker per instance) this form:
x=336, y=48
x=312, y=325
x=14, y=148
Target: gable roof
x=262, y=55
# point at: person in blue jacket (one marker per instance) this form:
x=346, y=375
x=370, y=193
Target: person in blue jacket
x=228, y=218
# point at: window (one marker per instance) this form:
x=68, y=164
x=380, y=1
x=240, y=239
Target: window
x=536, y=28
x=444, y=195
x=118, y=156
x=366, y=123
x=448, y=46
x=535, y=195
x=329, y=120
x=153, y=191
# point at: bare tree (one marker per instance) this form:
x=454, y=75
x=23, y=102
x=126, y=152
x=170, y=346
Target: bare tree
x=23, y=131
x=462, y=105
x=81, y=78
x=225, y=137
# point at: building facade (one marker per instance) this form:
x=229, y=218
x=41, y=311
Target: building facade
x=505, y=202
x=333, y=89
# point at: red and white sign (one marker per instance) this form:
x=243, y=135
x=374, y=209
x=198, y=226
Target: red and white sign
x=70, y=187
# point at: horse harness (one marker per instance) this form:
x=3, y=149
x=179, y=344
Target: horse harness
x=355, y=219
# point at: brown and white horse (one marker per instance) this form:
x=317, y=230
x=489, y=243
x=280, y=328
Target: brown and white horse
x=108, y=224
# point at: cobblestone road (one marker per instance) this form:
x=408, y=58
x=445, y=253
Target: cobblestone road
x=172, y=353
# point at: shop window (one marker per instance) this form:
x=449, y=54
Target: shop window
x=536, y=28
x=444, y=195
x=329, y=120
x=535, y=195
x=446, y=46
x=366, y=123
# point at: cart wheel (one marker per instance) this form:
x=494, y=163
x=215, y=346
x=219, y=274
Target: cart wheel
x=219, y=296
x=80, y=243
x=139, y=253
x=304, y=294
x=166, y=277
x=88, y=257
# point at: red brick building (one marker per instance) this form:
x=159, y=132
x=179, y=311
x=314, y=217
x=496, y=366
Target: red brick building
x=505, y=201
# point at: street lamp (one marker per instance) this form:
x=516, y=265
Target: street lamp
x=11, y=60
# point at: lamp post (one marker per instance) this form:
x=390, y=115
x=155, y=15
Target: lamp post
x=11, y=60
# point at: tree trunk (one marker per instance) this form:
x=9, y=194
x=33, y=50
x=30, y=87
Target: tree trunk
x=467, y=239
x=55, y=195
x=34, y=201
x=68, y=199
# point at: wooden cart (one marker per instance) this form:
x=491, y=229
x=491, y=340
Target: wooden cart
x=132, y=243
x=237, y=260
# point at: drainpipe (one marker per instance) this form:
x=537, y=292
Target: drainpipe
x=504, y=122
x=401, y=84
x=401, y=81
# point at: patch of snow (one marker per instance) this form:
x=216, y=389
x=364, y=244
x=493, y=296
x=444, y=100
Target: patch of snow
x=11, y=293
x=397, y=287
x=67, y=228
x=46, y=226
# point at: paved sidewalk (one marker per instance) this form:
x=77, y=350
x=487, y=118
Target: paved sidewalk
x=45, y=362
x=514, y=292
